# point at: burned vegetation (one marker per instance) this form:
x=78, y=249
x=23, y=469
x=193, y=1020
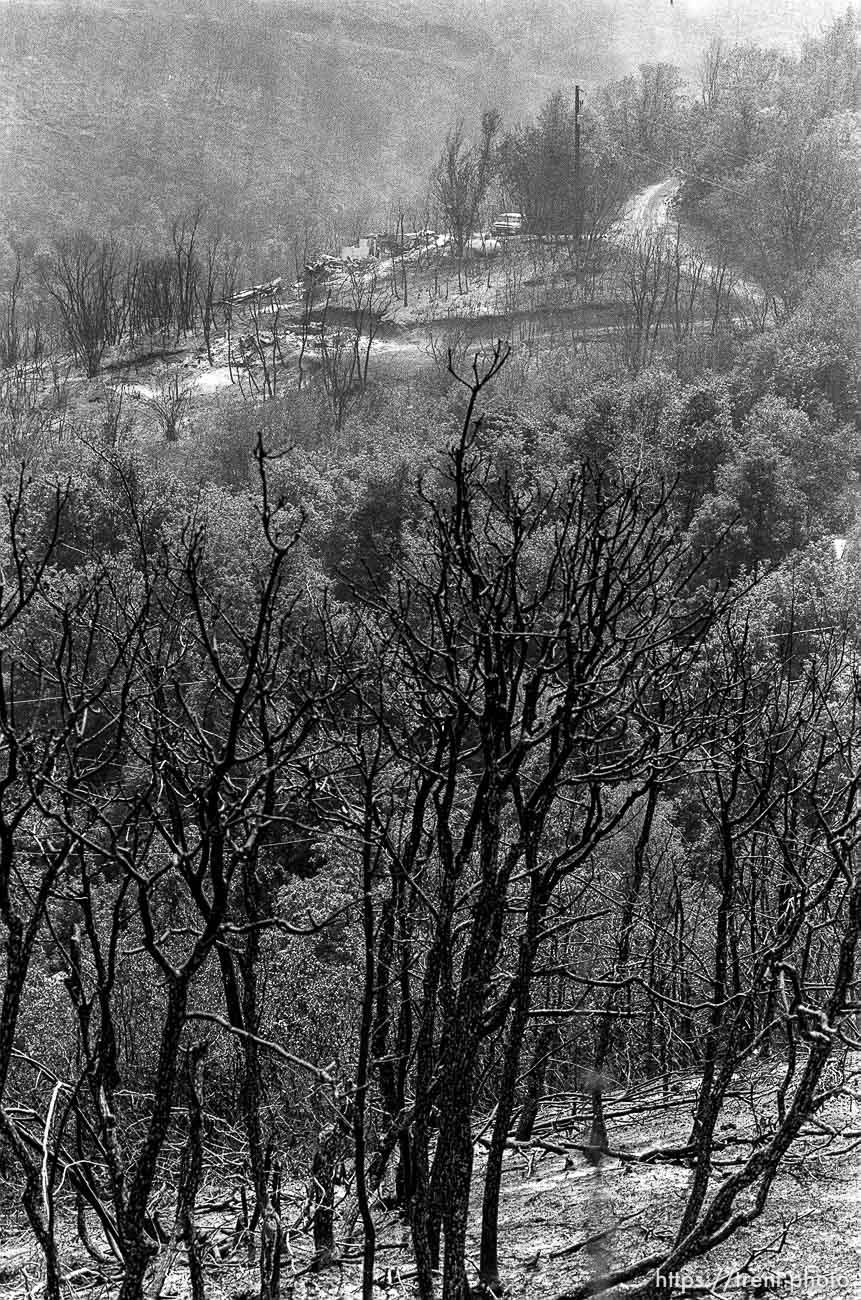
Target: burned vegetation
x=429, y=720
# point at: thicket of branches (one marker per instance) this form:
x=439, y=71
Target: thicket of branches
x=382, y=766
x=533, y=777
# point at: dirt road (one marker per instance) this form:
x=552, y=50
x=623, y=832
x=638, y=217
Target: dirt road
x=650, y=209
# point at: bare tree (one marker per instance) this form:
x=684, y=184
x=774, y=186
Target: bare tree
x=144, y=776
x=183, y=233
x=216, y=281
x=492, y=721
x=664, y=293
x=82, y=277
x=712, y=70
x=780, y=794
x=349, y=322
x=461, y=179
x=171, y=405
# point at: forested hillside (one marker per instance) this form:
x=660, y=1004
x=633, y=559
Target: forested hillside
x=273, y=114
x=430, y=702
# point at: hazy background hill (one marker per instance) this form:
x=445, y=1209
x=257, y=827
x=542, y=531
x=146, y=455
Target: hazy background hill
x=272, y=114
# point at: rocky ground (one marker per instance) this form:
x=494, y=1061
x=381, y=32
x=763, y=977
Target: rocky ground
x=562, y=1220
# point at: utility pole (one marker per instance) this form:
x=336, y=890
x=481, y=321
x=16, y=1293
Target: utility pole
x=578, y=215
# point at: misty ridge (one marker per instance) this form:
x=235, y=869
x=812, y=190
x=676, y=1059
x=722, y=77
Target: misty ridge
x=114, y=117
x=430, y=650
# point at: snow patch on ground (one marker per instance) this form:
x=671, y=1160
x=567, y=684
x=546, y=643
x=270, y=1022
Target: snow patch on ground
x=139, y=392
x=212, y=381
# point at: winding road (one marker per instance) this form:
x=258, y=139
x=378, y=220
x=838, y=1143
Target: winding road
x=650, y=209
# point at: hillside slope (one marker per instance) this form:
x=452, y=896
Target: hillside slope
x=121, y=114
